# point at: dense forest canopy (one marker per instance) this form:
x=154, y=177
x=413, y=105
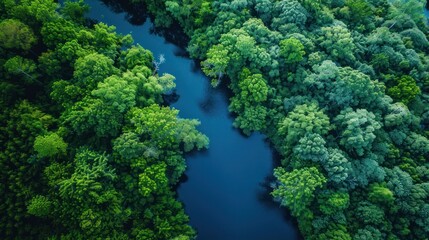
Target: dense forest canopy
x=88, y=150
x=341, y=89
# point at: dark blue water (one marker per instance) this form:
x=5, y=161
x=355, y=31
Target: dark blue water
x=225, y=193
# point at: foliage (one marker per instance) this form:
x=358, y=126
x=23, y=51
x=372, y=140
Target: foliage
x=405, y=91
x=312, y=75
x=105, y=160
x=357, y=129
x=15, y=34
x=304, y=119
x=40, y=206
x=49, y=145
x=296, y=189
x=292, y=50
x=327, y=66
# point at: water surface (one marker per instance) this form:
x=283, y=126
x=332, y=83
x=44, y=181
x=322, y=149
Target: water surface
x=225, y=192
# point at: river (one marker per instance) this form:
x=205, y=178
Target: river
x=225, y=190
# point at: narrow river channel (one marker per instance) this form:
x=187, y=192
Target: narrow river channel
x=225, y=192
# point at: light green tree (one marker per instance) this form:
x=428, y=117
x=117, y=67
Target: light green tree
x=405, y=91
x=296, y=189
x=216, y=63
x=188, y=134
x=93, y=69
x=338, y=42
x=39, y=206
x=136, y=55
x=49, y=145
x=116, y=92
x=292, y=50
x=332, y=202
x=153, y=179
x=303, y=119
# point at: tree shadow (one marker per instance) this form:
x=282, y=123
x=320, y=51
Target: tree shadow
x=265, y=198
x=170, y=98
x=134, y=15
x=137, y=14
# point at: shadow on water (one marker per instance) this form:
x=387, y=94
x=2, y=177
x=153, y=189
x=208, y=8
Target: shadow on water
x=265, y=198
x=170, y=98
x=138, y=14
x=209, y=102
x=134, y=15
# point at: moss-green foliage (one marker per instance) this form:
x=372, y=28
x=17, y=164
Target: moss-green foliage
x=353, y=107
x=49, y=145
x=405, y=91
x=16, y=35
x=86, y=150
x=292, y=50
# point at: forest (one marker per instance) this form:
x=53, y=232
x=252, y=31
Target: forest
x=89, y=149
x=340, y=88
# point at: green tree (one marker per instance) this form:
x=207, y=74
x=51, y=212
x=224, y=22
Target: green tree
x=360, y=13
x=368, y=233
x=399, y=182
x=162, y=127
x=16, y=35
x=116, y=92
x=357, y=130
x=335, y=232
x=136, y=55
x=292, y=50
x=49, y=145
x=187, y=133
x=398, y=115
x=129, y=146
x=288, y=12
x=57, y=32
x=89, y=203
x=338, y=42
x=93, y=116
x=153, y=179
x=157, y=124
x=405, y=91
x=40, y=206
x=331, y=202
x=251, y=118
x=370, y=214
x=311, y=148
x=253, y=87
x=65, y=93
x=296, y=189
x=380, y=194
x=337, y=166
x=75, y=10
x=216, y=63
x=365, y=171
x=19, y=126
x=35, y=12
x=305, y=118
x=353, y=88
x=93, y=69
x=24, y=68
